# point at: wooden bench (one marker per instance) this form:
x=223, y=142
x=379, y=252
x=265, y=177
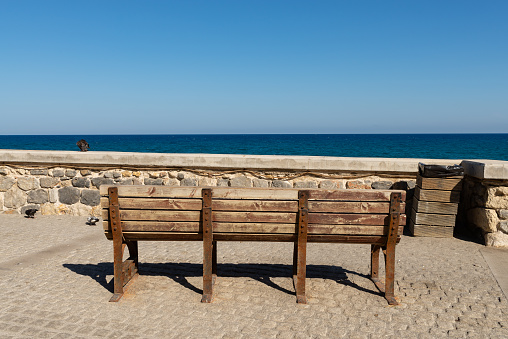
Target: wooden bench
x=212, y=214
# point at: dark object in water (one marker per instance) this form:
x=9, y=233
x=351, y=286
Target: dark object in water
x=91, y=221
x=30, y=213
x=83, y=145
x=439, y=171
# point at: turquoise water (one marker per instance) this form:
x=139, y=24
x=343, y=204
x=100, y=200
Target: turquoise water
x=437, y=146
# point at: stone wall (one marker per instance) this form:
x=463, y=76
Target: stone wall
x=74, y=190
x=484, y=204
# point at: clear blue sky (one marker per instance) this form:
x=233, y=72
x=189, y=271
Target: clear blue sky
x=166, y=67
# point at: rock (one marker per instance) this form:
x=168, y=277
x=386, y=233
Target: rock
x=14, y=198
x=68, y=195
x=97, y=182
x=189, y=182
x=4, y=171
x=71, y=173
x=503, y=226
x=1, y=202
x=404, y=185
x=85, y=173
x=39, y=171
x=483, y=218
x=260, y=182
x=382, y=185
x=137, y=181
x=53, y=195
x=127, y=182
x=48, y=182
x=38, y=196
x=223, y=182
x=27, y=207
x=117, y=174
x=154, y=175
x=90, y=197
x=65, y=182
x=503, y=214
x=126, y=174
x=241, y=181
x=328, y=184
x=305, y=184
x=28, y=183
x=136, y=174
x=281, y=184
x=356, y=184
x=58, y=173
x=497, y=197
x=108, y=175
x=151, y=181
x=6, y=183
x=173, y=182
x=172, y=174
x=205, y=181
x=180, y=176
x=80, y=182
x=496, y=239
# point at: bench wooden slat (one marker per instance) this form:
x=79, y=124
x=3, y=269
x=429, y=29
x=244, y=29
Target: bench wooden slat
x=255, y=205
x=351, y=219
x=156, y=203
x=353, y=195
x=351, y=207
x=256, y=217
x=161, y=215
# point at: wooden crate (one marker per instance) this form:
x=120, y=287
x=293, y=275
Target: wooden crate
x=435, y=205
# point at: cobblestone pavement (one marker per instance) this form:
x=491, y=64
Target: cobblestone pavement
x=57, y=280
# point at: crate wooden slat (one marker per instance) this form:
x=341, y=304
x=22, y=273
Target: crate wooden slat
x=435, y=207
x=437, y=195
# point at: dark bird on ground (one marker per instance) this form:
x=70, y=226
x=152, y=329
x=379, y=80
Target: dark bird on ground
x=30, y=213
x=91, y=221
x=83, y=145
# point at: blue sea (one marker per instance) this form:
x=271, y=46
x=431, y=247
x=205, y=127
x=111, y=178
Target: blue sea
x=434, y=146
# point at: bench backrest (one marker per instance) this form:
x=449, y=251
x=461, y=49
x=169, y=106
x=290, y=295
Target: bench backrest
x=175, y=213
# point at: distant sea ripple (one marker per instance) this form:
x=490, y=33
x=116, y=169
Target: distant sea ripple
x=434, y=146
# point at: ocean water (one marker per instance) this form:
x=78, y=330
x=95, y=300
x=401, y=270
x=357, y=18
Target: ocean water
x=434, y=146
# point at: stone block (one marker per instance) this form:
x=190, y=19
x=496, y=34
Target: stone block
x=222, y=182
x=281, y=184
x=71, y=173
x=65, y=182
x=28, y=183
x=127, y=182
x=14, y=198
x=48, y=182
x=151, y=181
x=260, y=183
x=503, y=214
x=357, y=184
x=172, y=174
x=1, y=202
x=180, y=176
x=126, y=174
x=58, y=173
x=80, y=182
x=205, y=181
x=503, y=226
x=38, y=196
x=53, y=195
x=6, y=183
x=137, y=181
x=68, y=195
x=328, y=184
x=117, y=174
x=4, y=171
x=137, y=174
x=173, y=182
x=497, y=197
x=483, y=218
x=189, y=182
x=154, y=175
x=305, y=184
x=241, y=181
x=108, y=175
x=496, y=239
x=90, y=197
x=97, y=182
x=382, y=185
x=404, y=185
x=39, y=171
x=32, y=206
x=85, y=173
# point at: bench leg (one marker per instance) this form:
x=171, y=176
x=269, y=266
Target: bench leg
x=124, y=271
x=390, y=274
x=208, y=268
x=374, y=262
x=118, y=248
x=301, y=272
x=214, y=261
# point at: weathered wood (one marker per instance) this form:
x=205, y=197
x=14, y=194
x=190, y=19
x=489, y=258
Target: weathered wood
x=353, y=195
x=445, y=184
x=161, y=215
x=271, y=217
x=433, y=219
x=431, y=231
x=434, y=207
x=255, y=205
x=157, y=204
x=351, y=207
x=437, y=195
x=351, y=219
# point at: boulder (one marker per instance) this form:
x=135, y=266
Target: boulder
x=496, y=239
x=28, y=183
x=68, y=195
x=38, y=196
x=483, y=218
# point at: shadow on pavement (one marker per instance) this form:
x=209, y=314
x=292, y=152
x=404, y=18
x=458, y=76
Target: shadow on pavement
x=259, y=272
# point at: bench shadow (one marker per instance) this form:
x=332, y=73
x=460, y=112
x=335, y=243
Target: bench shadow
x=179, y=272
